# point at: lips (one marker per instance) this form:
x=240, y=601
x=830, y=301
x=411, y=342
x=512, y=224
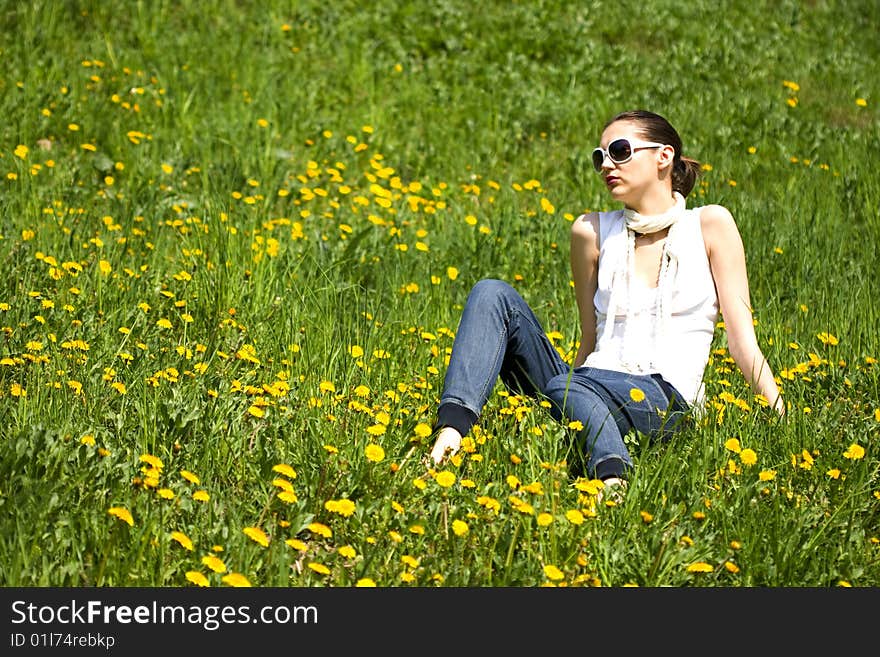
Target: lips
x=610, y=181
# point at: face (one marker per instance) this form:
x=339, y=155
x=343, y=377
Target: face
x=636, y=165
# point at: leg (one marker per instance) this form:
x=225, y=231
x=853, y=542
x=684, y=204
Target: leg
x=604, y=401
x=498, y=336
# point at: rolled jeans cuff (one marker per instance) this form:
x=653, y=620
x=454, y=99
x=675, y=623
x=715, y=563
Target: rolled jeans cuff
x=612, y=466
x=450, y=414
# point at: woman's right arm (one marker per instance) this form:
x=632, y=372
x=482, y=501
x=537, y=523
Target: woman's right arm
x=584, y=255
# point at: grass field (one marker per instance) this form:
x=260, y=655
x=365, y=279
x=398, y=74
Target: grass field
x=236, y=238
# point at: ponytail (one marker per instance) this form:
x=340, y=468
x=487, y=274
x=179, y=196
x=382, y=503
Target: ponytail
x=685, y=172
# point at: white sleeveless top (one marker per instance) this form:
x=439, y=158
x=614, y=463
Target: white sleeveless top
x=676, y=345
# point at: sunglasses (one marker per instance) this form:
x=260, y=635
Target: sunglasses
x=620, y=151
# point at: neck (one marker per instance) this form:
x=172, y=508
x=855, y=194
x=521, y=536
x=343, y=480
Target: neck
x=655, y=201
x=651, y=223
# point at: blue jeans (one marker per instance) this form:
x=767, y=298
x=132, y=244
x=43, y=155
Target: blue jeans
x=500, y=336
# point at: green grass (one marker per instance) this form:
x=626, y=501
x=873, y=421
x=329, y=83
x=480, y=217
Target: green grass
x=281, y=182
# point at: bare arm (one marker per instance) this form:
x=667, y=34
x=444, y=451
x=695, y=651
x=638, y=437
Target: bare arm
x=728, y=263
x=585, y=273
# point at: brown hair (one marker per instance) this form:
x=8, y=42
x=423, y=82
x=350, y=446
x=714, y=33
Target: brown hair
x=654, y=127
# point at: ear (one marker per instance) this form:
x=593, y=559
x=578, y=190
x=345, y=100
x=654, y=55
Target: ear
x=665, y=156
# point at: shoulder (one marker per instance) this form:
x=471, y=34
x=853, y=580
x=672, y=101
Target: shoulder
x=585, y=230
x=717, y=224
x=716, y=217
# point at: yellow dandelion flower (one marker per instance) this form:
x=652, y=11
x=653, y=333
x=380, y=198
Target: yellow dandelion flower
x=165, y=493
x=733, y=445
x=88, y=440
x=201, y=496
x=288, y=496
x=122, y=513
x=834, y=473
x=636, y=394
x=444, y=478
x=646, y=517
x=422, y=430
x=417, y=529
x=214, y=563
x=343, y=507
x=544, y=519
x=153, y=461
x=297, y=544
x=861, y=102
x=553, y=573
x=237, y=580
x=257, y=535
x=459, y=527
x=347, y=551
x=854, y=452
x=748, y=456
x=320, y=529
x=365, y=582
x=699, y=567
x=197, y=578
x=356, y=351
x=374, y=452
x=183, y=539
x=286, y=470
x=377, y=430
x=574, y=516
x=319, y=568
x=766, y=475
x=731, y=567
x=190, y=477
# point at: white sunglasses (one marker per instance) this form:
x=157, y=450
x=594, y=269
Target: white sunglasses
x=620, y=151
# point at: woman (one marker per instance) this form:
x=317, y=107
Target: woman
x=650, y=280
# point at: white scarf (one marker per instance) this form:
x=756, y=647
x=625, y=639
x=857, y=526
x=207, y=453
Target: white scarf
x=651, y=223
x=622, y=277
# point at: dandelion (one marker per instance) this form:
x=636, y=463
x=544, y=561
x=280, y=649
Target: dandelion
x=544, y=519
x=165, y=493
x=214, y=563
x=766, y=475
x=297, y=544
x=257, y=535
x=459, y=527
x=237, y=580
x=699, y=567
x=190, y=477
x=422, y=430
x=444, y=478
x=374, y=452
x=748, y=457
x=319, y=568
x=288, y=496
x=733, y=445
x=553, y=573
x=201, y=496
x=854, y=452
x=574, y=516
x=731, y=567
x=122, y=513
x=834, y=473
x=183, y=539
x=347, y=551
x=365, y=582
x=320, y=529
x=197, y=578
x=861, y=102
x=636, y=395
x=646, y=517
x=343, y=507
